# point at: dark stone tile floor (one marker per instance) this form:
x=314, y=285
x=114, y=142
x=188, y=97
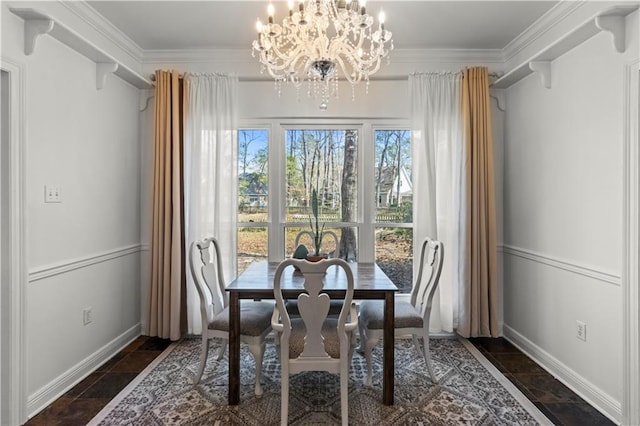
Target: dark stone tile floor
x=553, y=399
x=81, y=403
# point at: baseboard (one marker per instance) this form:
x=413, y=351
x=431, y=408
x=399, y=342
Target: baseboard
x=596, y=397
x=44, y=396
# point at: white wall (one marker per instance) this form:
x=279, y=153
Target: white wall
x=84, y=251
x=563, y=210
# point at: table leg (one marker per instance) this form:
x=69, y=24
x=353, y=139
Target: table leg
x=234, y=349
x=389, y=342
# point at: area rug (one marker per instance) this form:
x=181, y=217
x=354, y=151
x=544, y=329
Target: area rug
x=470, y=391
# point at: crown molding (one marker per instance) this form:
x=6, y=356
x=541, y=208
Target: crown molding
x=192, y=56
x=104, y=27
x=400, y=55
x=447, y=55
x=549, y=20
x=240, y=61
x=406, y=56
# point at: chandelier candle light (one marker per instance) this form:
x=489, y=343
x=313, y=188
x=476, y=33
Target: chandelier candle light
x=318, y=38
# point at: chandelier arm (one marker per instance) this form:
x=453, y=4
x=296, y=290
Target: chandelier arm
x=353, y=77
x=319, y=40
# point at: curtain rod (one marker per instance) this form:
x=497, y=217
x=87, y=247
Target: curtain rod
x=491, y=74
x=152, y=77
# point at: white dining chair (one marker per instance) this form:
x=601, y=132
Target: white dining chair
x=410, y=318
x=314, y=341
x=255, y=317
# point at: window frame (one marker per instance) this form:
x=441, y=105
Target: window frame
x=366, y=224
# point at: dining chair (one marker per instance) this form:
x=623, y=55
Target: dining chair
x=410, y=317
x=255, y=317
x=314, y=341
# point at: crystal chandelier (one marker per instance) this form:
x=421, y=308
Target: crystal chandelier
x=318, y=40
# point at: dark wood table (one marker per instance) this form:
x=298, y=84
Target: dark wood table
x=256, y=282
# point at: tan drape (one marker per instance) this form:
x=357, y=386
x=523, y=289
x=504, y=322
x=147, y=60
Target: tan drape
x=167, y=287
x=479, y=298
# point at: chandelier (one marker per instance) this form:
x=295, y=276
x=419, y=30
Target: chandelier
x=318, y=40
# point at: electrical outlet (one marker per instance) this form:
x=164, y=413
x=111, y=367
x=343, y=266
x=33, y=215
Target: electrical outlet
x=87, y=316
x=52, y=194
x=581, y=330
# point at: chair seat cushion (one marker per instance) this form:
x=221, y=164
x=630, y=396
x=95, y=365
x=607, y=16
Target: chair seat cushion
x=255, y=318
x=372, y=315
x=329, y=332
x=335, y=306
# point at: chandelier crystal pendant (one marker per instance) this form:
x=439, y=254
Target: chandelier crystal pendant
x=318, y=40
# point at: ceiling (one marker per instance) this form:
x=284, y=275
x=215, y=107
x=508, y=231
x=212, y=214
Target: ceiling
x=169, y=25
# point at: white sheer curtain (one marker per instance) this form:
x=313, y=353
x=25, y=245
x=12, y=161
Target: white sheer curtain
x=210, y=171
x=438, y=145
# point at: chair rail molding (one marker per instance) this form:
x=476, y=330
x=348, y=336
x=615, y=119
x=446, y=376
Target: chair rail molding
x=562, y=264
x=47, y=271
x=14, y=404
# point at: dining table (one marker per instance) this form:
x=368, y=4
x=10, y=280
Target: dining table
x=256, y=282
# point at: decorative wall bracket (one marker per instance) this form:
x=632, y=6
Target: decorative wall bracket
x=612, y=21
x=544, y=69
x=498, y=96
x=37, y=23
x=616, y=26
x=35, y=26
x=145, y=97
x=102, y=70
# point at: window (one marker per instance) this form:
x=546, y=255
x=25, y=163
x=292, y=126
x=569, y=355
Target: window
x=393, y=189
x=253, y=184
x=351, y=167
x=324, y=160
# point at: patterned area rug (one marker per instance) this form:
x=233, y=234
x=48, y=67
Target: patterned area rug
x=471, y=391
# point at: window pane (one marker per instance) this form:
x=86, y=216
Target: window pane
x=324, y=160
x=253, y=194
x=393, y=185
x=252, y=246
x=394, y=255
x=253, y=181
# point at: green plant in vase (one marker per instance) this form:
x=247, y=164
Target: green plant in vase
x=316, y=230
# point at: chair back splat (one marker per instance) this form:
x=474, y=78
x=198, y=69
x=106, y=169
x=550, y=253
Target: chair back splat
x=431, y=268
x=314, y=341
x=255, y=321
x=213, y=298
